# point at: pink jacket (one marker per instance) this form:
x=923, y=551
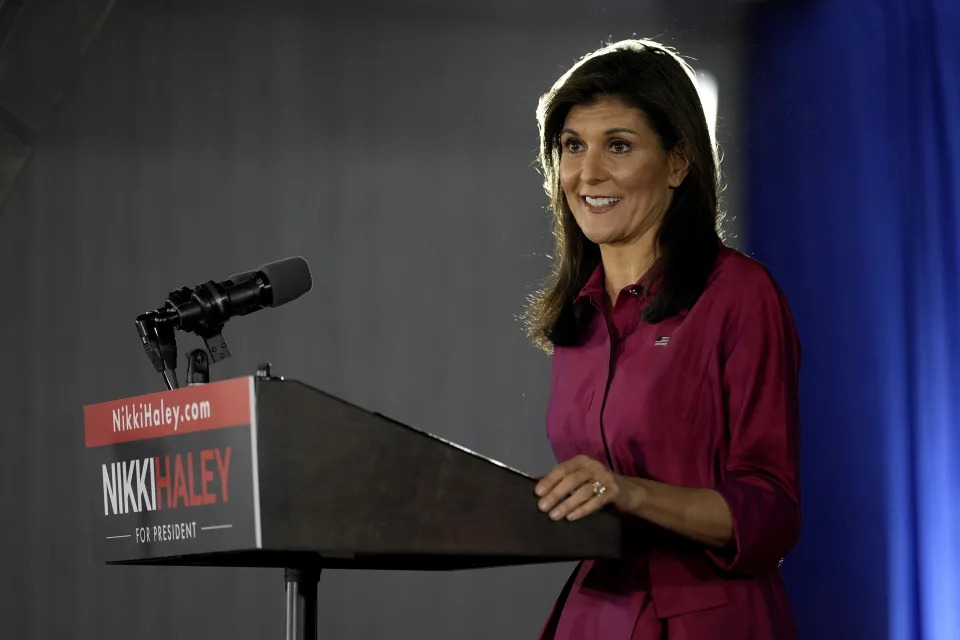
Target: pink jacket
x=707, y=398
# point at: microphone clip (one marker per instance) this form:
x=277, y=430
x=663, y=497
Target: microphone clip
x=157, y=330
x=207, y=295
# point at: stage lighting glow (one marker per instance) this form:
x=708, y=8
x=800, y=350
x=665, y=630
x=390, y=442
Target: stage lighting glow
x=709, y=96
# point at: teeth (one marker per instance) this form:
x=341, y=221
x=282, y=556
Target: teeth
x=600, y=202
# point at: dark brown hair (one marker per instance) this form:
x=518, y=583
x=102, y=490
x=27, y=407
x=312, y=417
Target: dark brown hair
x=653, y=78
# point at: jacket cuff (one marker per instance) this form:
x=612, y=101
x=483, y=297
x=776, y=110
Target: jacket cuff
x=765, y=526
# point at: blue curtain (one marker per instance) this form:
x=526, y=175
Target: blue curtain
x=854, y=204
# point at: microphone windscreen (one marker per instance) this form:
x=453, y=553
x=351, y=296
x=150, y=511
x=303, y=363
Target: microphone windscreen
x=288, y=278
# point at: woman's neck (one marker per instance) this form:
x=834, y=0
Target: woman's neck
x=625, y=265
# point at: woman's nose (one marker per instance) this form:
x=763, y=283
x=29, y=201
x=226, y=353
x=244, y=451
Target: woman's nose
x=593, y=170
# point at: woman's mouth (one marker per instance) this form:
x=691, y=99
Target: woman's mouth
x=599, y=204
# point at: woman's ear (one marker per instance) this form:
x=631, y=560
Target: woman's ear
x=679, y=165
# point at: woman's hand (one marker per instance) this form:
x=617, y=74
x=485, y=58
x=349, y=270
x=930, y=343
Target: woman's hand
x=700, y=514
x=571, y=489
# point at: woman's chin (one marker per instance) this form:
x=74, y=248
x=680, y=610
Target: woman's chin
x=601, y=236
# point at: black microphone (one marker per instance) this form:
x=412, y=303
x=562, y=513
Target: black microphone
x=204, y=309
x=211, y=304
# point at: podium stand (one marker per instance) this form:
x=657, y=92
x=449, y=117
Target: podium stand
x=266, y=472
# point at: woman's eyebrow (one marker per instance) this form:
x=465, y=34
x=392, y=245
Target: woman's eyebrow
x=607, y=132
x=621, y=130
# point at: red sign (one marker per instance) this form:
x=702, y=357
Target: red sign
x=215, y=405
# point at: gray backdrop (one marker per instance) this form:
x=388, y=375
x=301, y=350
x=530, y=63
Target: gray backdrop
x=390, y=144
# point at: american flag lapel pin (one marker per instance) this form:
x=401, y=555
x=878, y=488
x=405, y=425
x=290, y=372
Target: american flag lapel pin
x=662, y=341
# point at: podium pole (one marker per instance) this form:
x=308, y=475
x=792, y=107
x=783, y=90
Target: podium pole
x=300, y=600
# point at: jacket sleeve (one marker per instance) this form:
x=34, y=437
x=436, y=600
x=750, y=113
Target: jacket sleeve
x=760, y=473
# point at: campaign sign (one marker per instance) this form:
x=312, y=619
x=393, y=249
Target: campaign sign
x=174, y=473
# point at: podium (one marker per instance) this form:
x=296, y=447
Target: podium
x=260, y=471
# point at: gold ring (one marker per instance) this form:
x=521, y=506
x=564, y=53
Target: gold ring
x=598, y=488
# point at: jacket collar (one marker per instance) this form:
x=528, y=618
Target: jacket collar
x=646, y=287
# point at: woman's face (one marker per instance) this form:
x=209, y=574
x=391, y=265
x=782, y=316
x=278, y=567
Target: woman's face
x=614, y=173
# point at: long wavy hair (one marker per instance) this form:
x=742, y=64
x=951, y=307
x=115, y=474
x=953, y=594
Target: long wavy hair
x=654, y=79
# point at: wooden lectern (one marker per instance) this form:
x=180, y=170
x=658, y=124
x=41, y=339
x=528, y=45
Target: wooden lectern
x=265, y=472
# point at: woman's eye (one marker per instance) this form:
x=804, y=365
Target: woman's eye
x=620, y=146
x=573, y=145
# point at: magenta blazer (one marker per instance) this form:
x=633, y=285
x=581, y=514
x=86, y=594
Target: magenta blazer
x=707, y=398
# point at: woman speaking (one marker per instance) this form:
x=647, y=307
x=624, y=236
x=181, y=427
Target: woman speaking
x=673, y=396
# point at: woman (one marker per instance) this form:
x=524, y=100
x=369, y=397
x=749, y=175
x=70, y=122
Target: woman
x=675, y=362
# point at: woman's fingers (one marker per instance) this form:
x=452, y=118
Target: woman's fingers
x=563, y=488
x=579, y=500
x=559, y=472
x=568, y=490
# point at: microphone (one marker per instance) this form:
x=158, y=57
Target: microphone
x=209, y=305
x=204, y=309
